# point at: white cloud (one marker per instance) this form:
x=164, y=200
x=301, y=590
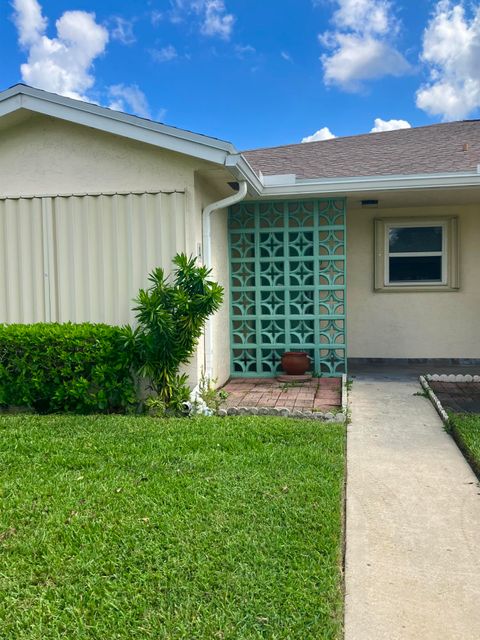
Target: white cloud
x=286, y=56
x=214, y=18
x=244, y=50
x=129, y=98
x=358, y=58
x=216, y=21
x=122, y=30
x=389, y=125
x=29, y=21
x=62, y=64
x=366, y=16
x=361, y=44
x=165, y=54
x=451, y=51
x=322, y=134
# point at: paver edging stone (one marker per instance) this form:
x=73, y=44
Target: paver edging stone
x=433, y=397
x=452, y=377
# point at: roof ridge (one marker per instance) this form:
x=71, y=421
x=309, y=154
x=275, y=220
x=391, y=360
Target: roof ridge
x=359, y=135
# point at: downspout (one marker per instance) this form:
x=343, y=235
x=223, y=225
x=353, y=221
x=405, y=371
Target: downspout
x=207, y=261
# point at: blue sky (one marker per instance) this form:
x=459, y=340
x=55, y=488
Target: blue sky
x=255, y=73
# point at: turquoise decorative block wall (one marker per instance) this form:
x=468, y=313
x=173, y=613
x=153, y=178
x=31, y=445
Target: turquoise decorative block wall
x=287, y=285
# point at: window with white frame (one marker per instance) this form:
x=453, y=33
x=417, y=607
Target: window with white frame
x=416, y=253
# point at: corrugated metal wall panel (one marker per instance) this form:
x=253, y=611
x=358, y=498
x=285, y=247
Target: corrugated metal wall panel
x=83, y=258
x=106, y=245
x=22, y=277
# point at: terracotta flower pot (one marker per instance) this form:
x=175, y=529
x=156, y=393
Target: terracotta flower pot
x=295, y=363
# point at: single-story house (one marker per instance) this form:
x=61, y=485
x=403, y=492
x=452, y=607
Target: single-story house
x=363, y=247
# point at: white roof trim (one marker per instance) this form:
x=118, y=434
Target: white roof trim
x=344, y=186
x=115, y=122
x=23, y=97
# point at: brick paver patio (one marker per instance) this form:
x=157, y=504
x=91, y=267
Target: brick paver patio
x=459, y=397
x=318, y=394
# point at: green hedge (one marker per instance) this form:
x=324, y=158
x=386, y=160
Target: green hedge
x=78, y=368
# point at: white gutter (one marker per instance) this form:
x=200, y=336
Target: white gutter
x=288, y=185
x=207, y=261
x=274, y=187
x=240, y=168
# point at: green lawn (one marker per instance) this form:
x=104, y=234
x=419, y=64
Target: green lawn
x=135, y=528
x=466, y=431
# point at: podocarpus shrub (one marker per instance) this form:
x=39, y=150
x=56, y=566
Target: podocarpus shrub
x=171, y=315
x=77, y=368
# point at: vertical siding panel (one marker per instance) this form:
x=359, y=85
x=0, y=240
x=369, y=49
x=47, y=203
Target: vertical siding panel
x=139, y=250
x=66, y=258
x=7, y=310
x=170, y=222
x=131, y=263
x=21, y=261
x=98, y=251
x=119, y=250
x=157, y=229
x=81, y=275
x=92, y=286
x=175, y=224
x=106, y=260
x=37, y=267
x=149, y=207
x=97, y=271
x=24, y=218
x=46, y=256
x=3, y=265
x=12, y=252
x=165, y=239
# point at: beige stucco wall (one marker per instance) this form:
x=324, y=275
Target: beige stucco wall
x=414, y=324
x=48, y=156
x=44, y=156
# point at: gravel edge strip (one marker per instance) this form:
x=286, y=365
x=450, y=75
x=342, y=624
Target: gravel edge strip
x=328, y=416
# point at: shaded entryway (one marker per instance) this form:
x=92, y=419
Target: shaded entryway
x=407, y=370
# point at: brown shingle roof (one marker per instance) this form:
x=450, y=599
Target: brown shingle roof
x=438, y=148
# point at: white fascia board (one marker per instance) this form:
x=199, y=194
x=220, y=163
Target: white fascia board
x=10, y=104
x=343, y=186
x=115, y=122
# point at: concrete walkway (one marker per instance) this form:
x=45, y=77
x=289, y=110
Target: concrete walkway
x=413, y=521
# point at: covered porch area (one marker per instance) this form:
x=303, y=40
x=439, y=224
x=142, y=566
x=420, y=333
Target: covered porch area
x=321, y=275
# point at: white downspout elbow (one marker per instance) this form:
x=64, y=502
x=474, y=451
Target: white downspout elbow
x=207, y=261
